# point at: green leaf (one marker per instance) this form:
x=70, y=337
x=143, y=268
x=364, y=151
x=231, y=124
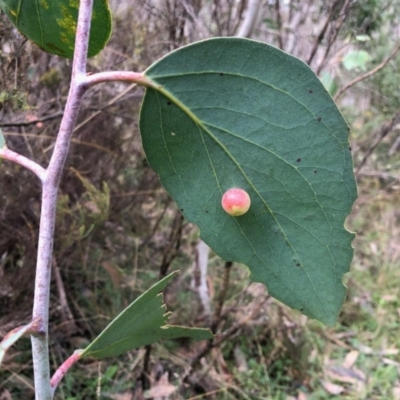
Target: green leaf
x=51, y=24
x=356, y=59
x=140, y=324
x=329, y=82
x=231, y=112
x=363, y=38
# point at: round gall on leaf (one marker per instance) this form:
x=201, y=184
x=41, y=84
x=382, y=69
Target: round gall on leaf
x=236, y=202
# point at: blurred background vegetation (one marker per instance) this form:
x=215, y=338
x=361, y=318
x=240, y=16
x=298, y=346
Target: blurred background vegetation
x=118, y=231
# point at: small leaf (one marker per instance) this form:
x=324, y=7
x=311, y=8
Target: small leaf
x=329, y=82
x=363, y=38
x=12, y=337
x=142, y=323
x=231, y=112
x=52, y=24
x=356, y=59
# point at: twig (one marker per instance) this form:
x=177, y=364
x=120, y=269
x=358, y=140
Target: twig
x=10, y=155
x=322, y=33
x=40, y=343
x=247, y=26
x=65, y=310
x=234, y=328
x=174, y=243
x=61, y=113
x=369, y=73
x=35, y=121
x=279, y=23
x=112, y=101
x=199, y=280
x=241, y=8
x=335, y=32
x=385, y=129
x=394, y=146
x=159, y=219
x=222, y=295
x=146, y=367
x=219, y=339
x=381, y=175
x=75, y=141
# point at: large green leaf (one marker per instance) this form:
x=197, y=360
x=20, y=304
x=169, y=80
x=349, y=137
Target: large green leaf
x=231, y=112
x=142, y=323
x=51, y=24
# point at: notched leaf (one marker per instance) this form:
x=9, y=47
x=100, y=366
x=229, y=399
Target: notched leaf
x=142, y=323
x=244, y=116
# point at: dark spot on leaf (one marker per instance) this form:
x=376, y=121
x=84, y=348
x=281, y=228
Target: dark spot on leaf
x=298, y=264
x=182, y=209
x=301, y=309
x=310, y=91
x=169, y=103
x=221, y=74
x=207, y=211
x=315, y=172
x=350, y=148
x=298, y=160
x=319, y=119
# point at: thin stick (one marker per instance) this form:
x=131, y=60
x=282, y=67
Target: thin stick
x=385, y=129
x=222, y=295
x=334, y=33
x=112, y=101
x=369, y=73
x=40, y=343
x=65, y=310
x=322, y=33
x=279, y=23
x=250, y=19
x=35, y=121
x=10, y=155
x=219, y=339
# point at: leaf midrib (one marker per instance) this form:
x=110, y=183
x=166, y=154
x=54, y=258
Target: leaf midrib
x=159, y=88
x=237, y=75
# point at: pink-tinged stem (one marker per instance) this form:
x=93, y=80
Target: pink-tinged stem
x=15, y=335
x=112, y=76
x=63, y=369
x=10, y=155
x=40, y=343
